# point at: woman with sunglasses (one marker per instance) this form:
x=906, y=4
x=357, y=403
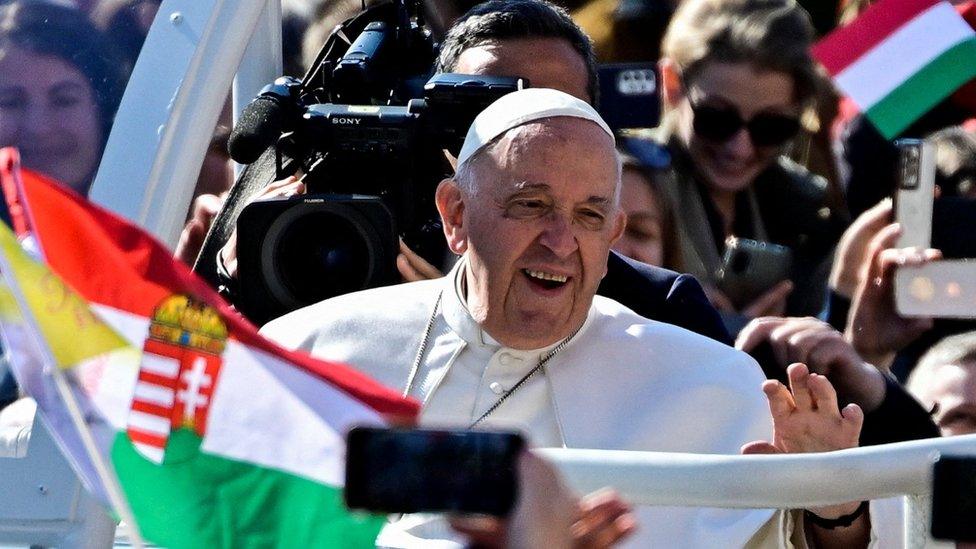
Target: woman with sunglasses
x=737, y=84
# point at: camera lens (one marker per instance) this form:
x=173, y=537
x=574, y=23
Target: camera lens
x=321, y=255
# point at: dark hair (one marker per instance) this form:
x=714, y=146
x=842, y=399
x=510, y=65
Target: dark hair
x=511, y=19
x=65, y=33
x=655, y=177
x=120, y=21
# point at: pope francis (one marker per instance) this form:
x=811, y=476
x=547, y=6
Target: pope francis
x=514, y=335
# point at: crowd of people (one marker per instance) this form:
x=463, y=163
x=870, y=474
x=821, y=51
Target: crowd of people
x=607, y=251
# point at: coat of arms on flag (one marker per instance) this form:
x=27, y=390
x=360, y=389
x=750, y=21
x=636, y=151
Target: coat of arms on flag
x=177, y=375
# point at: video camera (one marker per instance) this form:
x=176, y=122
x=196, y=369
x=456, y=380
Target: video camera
x=366, y=128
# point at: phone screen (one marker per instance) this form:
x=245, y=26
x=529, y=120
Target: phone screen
x=954, y=499
x=408, y=471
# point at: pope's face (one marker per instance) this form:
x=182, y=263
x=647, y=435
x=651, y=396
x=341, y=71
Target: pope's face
x=536, y=227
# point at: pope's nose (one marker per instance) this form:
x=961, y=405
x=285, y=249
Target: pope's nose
x=558, y=236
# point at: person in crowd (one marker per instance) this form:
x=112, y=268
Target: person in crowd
x=537, y=40
x=737, y=84
x=61, y=83
x=945, y=382
x=514, y=335
x=649, y=236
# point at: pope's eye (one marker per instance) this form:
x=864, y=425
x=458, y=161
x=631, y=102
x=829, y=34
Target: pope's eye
x=591, y=218
x=527, y=207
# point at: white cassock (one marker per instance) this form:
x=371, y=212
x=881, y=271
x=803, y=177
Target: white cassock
x=623, y=382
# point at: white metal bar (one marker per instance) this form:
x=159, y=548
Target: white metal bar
x=262, y=61
x=761, y=481
x=169, y=110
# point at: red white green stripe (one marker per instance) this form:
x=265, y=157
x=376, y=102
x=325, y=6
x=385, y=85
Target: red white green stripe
x=242, y=446
x=900, y=58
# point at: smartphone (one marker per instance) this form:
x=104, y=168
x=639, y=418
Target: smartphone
x=629, y=95
x=750, y=268
x=944, y=288
x=419, y=470
x=954, y=498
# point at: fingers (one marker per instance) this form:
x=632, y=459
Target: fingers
x=853, y=417
x=792, y=341
x=757, y=331
x=781, y=403
x=481, y=531
x=853, y=247
x=284, y=188
x=205, y=208
x=823, y=393
x=191, y=240
x=759, y=447
x=604, y=520
x=773, y=302
x=719, y=300
x=799, y=376
x=412, y=267
x=885, y=239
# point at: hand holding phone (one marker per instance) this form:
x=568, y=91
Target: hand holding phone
x=750, y=268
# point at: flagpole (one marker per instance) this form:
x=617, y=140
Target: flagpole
x=114, y=490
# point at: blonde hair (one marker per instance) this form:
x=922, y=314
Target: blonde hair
x=770, y=35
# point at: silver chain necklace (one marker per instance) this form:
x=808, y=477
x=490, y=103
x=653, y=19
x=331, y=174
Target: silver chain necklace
x=423, y=350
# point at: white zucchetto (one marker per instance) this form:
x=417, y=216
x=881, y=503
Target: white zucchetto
x=521, y=107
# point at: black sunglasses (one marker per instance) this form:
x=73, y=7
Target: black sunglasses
x=766, y=129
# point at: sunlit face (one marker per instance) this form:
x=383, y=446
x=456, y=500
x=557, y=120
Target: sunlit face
x=732, y=165
x=537, y=230
x=952, y=390
x=545, y=62
x=48, y=111
x=643, y=238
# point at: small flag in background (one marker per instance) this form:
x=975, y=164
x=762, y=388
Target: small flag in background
x=899, y=59
x=218, y=437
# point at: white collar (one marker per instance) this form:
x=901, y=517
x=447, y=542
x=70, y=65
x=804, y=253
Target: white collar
x=459, y=319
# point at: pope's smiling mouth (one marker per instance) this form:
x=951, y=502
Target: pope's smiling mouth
x=545, y=280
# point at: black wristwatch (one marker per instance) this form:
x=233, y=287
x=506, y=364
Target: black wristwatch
x=842, y=521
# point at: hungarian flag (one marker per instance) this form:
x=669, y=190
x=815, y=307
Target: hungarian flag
x=899, y=59
x=208, y=435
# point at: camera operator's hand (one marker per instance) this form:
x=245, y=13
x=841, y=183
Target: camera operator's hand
x=205, y=208
x=412, y=267
x=823, y=349
x=875, y=328
x=285, y=188
x=547, y=514
x=850, y=259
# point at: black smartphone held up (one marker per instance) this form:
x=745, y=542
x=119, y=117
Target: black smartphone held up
x=417, y=470
x=629, y=95
x=954, y=498
x=750, y=268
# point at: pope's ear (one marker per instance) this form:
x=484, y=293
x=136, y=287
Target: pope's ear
x=619, y=224
x=450, y=205
x=672, y=90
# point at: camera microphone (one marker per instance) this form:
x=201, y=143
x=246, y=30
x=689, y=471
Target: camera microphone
x=263, y=120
